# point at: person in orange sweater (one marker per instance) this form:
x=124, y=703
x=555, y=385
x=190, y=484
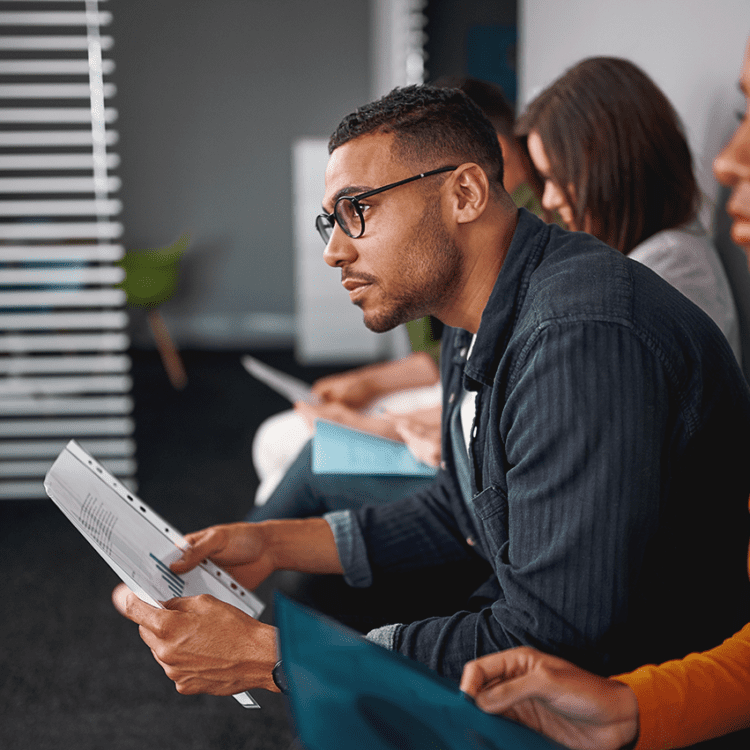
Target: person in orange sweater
x=672, y=705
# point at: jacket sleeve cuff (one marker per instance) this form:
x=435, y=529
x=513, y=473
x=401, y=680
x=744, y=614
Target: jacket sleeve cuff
x=351, y=548
x=384, y=636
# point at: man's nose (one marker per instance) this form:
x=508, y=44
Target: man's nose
x=733, y=163
x=340, y=249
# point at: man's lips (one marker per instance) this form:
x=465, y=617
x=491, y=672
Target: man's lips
x=351, y=284
x=356, y=288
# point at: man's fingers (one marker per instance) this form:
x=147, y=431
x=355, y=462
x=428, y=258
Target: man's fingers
x=189, y=603
x=130, y=606
x=202, y=544
x=189, y=560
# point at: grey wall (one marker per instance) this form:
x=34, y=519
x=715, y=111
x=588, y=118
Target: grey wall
x=211, y=96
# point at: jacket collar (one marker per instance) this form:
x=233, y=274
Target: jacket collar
x=506, y=299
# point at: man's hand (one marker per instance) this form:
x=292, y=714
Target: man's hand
x=203, y=644
x=243, y=549
x=554, y=697
x=252, y=551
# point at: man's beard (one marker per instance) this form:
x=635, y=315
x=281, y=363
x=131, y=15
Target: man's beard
x=430, y=275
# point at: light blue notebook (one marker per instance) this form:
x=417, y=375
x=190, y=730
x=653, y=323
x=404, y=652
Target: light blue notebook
x=341, y=450
x=345, y=692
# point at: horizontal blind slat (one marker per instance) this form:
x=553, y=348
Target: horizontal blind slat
x=51, y=448
x=60, y=230
x=61, y=276
x=52, y=90
x=64, y=342
x=51, y=42
x=52, y=114
x=21, y=469
x=101, y=207
x=64, y=364
x=11, y=386
x=50, y=406
x=36, y=321
x=111, y=426
x=51, y=67
x=60, y=253
x=54, y=161
x=75, y=298
x=57, y=184
x=54, y=18
x=42, y=138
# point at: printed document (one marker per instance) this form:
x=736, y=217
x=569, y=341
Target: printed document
x=135, y=541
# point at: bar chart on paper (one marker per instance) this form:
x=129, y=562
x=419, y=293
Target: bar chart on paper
x=175, y=584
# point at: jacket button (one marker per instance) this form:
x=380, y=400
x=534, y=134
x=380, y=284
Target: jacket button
x=451, y=398
x=470, y=541
x=462, y=353
x=443, y=465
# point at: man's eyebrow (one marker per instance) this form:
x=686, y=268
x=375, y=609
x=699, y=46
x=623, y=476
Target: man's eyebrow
x=350, y=190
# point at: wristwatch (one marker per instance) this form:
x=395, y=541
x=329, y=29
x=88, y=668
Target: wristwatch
x=279, y=678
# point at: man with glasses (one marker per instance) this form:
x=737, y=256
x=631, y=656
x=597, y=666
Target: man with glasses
x=595, y=430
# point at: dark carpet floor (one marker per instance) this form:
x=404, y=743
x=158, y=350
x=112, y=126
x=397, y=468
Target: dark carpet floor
x=73, y=673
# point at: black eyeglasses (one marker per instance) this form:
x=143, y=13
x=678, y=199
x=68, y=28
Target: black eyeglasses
x=347, y=211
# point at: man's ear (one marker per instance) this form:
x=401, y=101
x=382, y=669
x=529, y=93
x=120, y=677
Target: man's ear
x=470, y=193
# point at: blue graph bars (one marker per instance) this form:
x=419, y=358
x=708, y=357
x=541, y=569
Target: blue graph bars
x=175, y=583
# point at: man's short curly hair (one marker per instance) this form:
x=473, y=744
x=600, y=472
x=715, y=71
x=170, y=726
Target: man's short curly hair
x=431, y=124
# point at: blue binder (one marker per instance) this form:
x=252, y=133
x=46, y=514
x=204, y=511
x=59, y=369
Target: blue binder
x=346, y=692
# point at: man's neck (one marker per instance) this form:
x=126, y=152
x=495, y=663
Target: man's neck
x=484, y=258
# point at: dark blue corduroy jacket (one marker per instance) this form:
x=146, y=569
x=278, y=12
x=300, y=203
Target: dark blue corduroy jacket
x=610, y=455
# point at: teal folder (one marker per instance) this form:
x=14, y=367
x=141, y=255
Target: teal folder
x=347, y=693
x=341, y=450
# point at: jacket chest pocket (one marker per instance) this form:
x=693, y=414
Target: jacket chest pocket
x=491, y=511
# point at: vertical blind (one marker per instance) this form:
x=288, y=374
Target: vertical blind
x=64, y=367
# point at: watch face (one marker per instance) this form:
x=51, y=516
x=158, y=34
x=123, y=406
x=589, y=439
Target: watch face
x=279, y=678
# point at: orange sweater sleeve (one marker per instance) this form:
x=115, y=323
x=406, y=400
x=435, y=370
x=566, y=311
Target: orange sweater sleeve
x=697, y=698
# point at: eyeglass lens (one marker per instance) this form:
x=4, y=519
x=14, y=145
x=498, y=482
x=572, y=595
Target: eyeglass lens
x=324, y=225
x=349, y=217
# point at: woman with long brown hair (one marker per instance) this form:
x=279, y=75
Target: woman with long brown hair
x=610, y=150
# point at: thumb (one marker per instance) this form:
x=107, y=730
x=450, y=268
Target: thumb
x=129, y=605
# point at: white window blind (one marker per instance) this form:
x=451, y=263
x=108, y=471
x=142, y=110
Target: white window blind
x=64, y=368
